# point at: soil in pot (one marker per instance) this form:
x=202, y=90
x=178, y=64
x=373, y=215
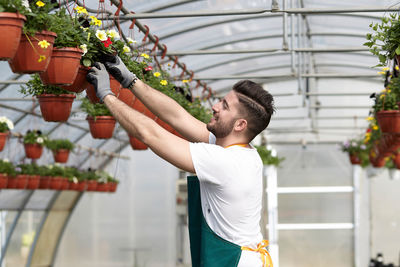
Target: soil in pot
x=26, y=59
x=55, y=107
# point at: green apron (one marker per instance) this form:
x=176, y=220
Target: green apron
x=207, y=248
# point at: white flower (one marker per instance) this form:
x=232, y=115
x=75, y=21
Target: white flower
x=131, y=41
x=6, y=160
x=75, y=180
x=126, y=49
x=113, y=34
x=84, y=48
x=101, y=35
x=50, y=166
x=25, y=3
x=9, y=123
x=39, y=140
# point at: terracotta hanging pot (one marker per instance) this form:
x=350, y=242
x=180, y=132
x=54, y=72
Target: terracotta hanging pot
x=102, y=127
x=61, y=155
x=3, y=139
x=26, y=59
x=81, y=186
x=140, y=107
x=103, y=187
x=80, y=82
x=33, y=151
x=126, y=96
x=91, y=185
x=10, y=27
x=136, y=144
x=63, y=66
x=3, y=180
x=396, y=160
x=33, y=182
x=112, y=186
x=55, y=182
x=64, y=184
x=55, y=107
x=73, y=186
x=354, y=159
x=91, y=92
x=18, y=182
x=389, y=121
x=44, y=182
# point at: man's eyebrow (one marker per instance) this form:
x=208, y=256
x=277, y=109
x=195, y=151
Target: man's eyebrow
x=225, y=102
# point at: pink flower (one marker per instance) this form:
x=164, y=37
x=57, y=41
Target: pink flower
x=148, y=68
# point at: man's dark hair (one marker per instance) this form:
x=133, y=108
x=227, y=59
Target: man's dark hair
x=257, y=105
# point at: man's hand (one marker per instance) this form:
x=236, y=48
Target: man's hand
x=120, y=72
x=99, y=78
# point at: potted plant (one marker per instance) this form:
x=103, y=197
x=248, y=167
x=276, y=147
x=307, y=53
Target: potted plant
x=384, y=42
x=11, y=22
x=113, y=183
x=357, y=150
x=55, y=102
x=267, y=156
x=102, y=181
x=66, y=55
x=90, y=177
x=7, y=169
x=101, y=122
x=36, y=44
x=387, y=111
x=31, y=171
x=58, y=180
x=60, y=149
x=33, y=143
x=5, y=126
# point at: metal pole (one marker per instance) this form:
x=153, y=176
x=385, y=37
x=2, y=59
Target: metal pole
x=284, y=26
x=292, y=52
x=270, y=172
x=356, y=207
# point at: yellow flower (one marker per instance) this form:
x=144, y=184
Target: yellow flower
x=81, y=10
x=375, y=127
x=39, y=3
x=370, y=118
x=385, y=69
x=388, y=91
x=382, y=96
x=95, y=21
x=101, y=35
x=163, y=82
x=145, y=55
x=41, y=58
x=367, y=135
x=169, y=64
x=381, y=72
x=185, y=81
x=383, y=91
x=157, y=74
x=126, y=49
x=397, y=67
x=44, y=44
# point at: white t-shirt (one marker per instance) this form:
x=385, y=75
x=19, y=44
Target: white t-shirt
x=231, y=194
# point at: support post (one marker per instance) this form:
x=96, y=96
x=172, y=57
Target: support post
x=357, y=171
x=270, y=173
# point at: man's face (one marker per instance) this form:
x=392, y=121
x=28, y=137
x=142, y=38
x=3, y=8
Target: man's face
x=225, y=114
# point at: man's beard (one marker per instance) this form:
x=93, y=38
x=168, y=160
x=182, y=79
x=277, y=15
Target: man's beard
x=221, y=130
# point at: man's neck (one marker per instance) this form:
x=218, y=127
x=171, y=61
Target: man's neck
x=230, y=140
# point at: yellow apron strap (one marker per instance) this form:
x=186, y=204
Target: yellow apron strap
x=265, y=256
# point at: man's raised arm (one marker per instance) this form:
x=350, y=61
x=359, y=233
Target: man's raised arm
x=161, y=105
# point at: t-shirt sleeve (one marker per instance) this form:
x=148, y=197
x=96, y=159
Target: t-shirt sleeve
x=209, y=162
x=211, y=138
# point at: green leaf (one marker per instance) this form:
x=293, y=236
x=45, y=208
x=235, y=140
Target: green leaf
x=397, y=50
x=87, y=62
x=382, y=58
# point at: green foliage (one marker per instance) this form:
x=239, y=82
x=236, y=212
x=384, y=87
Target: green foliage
x=39, y=18
x=30, y=169
x=267, y=157
x=359, y=148
x=385, y=100
x=94, y=110
x=56, y=144
x=68, y=30
x=89, y=175
x=7, y=167
x=13, y=6
x=35, y=87
x=34, y=137
x=384, y=42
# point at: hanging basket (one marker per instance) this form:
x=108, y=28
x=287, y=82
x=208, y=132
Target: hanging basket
x=102, y=127
x=126, y=96
x=64, y=184
x=91, y=92
x=63, y=66
x=103, y=187
x=140, y=107
x=112, y=187
x=355, y=159
x=33, y=182
x=55, y=107
x=3, y=140
x=136, y=144
x=91, y=185
x=80, y=83
x=26, y=60
x=44, y=182
x=389, y=121
x=61, y=155
x=10, y=27
x=3, y=180
x=18, y=182
x=33, y=151
x=55, y=182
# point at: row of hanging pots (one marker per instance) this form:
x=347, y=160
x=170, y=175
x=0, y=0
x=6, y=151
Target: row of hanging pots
x=386, y=147
x=33, y=182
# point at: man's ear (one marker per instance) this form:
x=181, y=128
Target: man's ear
x=240, y=125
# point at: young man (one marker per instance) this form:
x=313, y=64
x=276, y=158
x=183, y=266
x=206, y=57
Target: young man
x=225, y=198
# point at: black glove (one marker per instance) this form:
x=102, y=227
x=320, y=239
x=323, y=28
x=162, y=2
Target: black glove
x=120, y=72
x=99, y=78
